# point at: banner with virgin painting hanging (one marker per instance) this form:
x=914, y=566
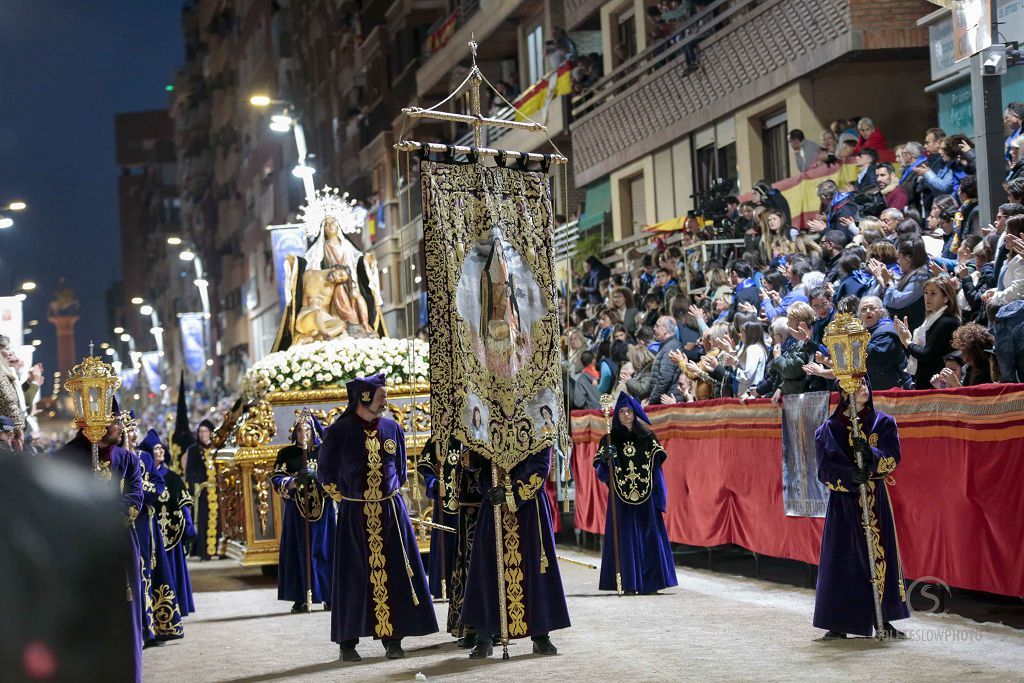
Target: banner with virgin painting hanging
x=495, y=376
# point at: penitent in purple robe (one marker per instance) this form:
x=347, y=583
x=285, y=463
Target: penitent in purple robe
x=645, y=555
x=380, y=589
x=440, y=475
x=174, y=516
x=122, y=469
x=535, y=598
x=163, y=615
x=843, y=600
x=298, y=507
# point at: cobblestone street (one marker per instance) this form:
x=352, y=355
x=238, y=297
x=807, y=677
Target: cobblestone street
x=712, y=627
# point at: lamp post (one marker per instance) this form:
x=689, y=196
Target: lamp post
x=288, y=120
x=91, y=384
x=11, y=207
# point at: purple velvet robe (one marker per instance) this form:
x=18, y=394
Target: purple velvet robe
x=443, y=544
x=123, y=470
x=291, y=564
x=843, y=601
x=163, y=614
x=362, y=465
x=469, y=512
x=534, y=595
x=174, y=515
x=645, y=555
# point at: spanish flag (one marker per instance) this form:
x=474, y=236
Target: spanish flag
x=442, y=34
x=554, y=84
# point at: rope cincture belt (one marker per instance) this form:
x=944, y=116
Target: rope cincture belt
x=366, y=500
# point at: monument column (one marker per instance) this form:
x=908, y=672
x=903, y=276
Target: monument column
x=66, y=356
x=63, y=314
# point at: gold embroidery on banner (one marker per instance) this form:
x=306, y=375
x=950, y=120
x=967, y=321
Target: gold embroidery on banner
x=528, y=489
x=462, y=206
x=513, y=574
x=374, y=536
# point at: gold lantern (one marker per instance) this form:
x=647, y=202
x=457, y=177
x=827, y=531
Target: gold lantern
x=847, y=343
x=91, y=384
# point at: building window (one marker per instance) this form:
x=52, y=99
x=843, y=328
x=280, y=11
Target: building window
x=775, y=147
x=625, y=38
x=535, y=55
x=637, y=210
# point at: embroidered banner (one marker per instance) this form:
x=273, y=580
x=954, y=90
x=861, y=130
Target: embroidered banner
x=802, y=494
x=193, y=340
x=494, y=355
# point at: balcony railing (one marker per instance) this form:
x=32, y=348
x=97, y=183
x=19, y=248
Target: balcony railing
x=441, y=31
x=662, y=55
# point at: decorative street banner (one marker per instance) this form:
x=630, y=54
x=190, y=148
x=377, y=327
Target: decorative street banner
x=285, y=242
x=802, y=494
x=495, y=378
x=129, y=379
x=151, y=367
x=193, y=333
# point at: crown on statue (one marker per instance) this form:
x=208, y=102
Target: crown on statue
x=330, y=202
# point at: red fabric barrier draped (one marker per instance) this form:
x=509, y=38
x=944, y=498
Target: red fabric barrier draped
x=957, y=495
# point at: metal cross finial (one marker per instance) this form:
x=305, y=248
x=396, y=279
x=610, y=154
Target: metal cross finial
x=472, y=47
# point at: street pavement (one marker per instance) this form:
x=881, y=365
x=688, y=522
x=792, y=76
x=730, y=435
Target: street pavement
x=713, y=626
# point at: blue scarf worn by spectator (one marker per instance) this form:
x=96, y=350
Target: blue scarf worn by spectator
x=923, y=159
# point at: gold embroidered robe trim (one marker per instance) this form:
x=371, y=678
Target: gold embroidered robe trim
x=528, y=489
x=876, y=542
x=838, y=486
x=633, y=472
x=166, y=617
x=373, y=511
x=514, y=593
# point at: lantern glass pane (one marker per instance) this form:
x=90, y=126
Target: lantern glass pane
x=79, y=411
x=858, y=355
x=840, y=358
x=94, y=402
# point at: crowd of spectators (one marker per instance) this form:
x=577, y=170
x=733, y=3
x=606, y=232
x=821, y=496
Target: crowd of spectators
x=901, y=248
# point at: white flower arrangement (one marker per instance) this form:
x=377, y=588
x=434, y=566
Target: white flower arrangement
x=330, y=364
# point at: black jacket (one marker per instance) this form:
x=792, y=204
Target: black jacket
x=938, y=341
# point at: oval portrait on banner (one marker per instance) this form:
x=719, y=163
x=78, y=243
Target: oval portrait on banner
x=500, y=301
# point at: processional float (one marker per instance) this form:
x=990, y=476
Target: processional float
x=495, y=371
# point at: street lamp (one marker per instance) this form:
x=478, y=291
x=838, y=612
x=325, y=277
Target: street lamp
x=187, y=255
x=119, y=330
x=137, y=300
x=287, y=120
x=146, y=309
x=28, y=286
x=126, y=337
x=20, y=296
x=17, y=206
x=37, y=342
x=6, y=222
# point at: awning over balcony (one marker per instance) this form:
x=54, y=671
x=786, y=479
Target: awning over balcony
x=597, y=204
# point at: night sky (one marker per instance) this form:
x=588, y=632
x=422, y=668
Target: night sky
x=66, y=67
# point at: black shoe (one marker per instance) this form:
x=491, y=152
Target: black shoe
x=833, y=635
x=890, y=632
x=393, y=649
x=482, y=650
x=299, y=606
x=152, y=643
x=466, y=641
x=349, y=654
x=327, y=607
x=542, y=646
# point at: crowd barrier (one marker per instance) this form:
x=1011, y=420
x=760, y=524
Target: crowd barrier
x=958, y=495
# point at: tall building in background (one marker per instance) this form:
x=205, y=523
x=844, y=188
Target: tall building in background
x=234, y=172
x=149, y=208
